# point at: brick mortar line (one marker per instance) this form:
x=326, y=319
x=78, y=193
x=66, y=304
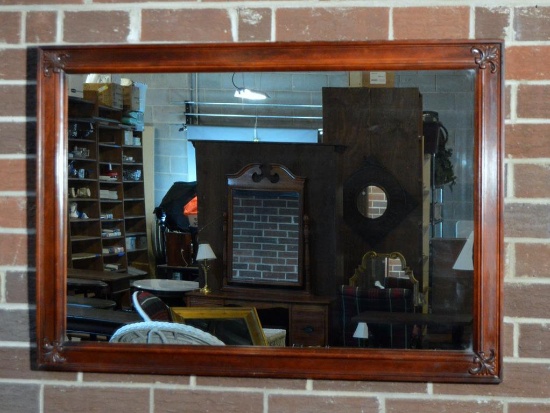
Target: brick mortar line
x=530, y=201
x=522, y=240
x=17, y=231
x=526, y=281
x=16, y=344
x=525, y=320
x=17, y=156
x=527, y=121
x=175, y=5
x=527, y=161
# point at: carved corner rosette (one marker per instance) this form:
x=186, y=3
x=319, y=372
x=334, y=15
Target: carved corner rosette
x=487, y=55
x=54, y=62
x=485, y=364
x=52, y=352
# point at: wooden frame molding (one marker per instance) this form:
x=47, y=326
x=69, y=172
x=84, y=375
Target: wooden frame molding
x=480, y=364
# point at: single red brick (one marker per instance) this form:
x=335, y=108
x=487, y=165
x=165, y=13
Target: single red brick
x=17, y=137
x=17, y=100
x=531, y=23
x=526, y=300
x=206, y=401
x=20, y=287
x=15, y=325
x=20, y=397
x=438, y=406
x=533, y=101
x=15, y=175
x=527, y=141
x=526, y=407
x=41, y=27
x=532, y=260
x=431, y=22
x=15, y=249
x=66, y=399
x=16, y=65
x=310, y=24
x=208, y=25
x=96, y=26
x=22, y=212
x=527, y=62
x=534, y=340
x=492, y=23
x=524, y=220
x=531, y=181
x=323, y=404
x=11, y=27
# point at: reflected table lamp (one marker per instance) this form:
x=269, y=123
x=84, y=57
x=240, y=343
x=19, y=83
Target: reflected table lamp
x=204, y=254
x=361, y=333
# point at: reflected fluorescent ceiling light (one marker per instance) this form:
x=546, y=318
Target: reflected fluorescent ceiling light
x=244, y=93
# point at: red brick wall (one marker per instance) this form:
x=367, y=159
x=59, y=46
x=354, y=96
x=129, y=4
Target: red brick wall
x=265, y=238
x=526, y=29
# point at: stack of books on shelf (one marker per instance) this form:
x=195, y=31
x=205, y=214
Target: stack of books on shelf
x=107, y=233
x=112, y=267
x=113, y=250
x=107, y=194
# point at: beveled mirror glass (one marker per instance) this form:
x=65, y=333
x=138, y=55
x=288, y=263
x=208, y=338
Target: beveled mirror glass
x=481, y=362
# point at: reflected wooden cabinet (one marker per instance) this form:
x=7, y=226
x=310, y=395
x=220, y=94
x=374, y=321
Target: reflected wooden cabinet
x=306, y=318
x=106, y=191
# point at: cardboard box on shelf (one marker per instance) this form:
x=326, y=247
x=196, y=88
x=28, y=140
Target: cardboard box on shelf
x=372, y=79
x=108, y=94
x=134, y=97
x=130, y=98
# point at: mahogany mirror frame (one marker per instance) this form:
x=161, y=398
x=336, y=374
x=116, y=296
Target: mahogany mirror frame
x=482, y=363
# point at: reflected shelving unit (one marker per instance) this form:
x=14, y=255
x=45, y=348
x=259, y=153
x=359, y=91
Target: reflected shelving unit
x=105, y=190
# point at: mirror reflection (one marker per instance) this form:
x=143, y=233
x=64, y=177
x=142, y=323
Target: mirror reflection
x=148, y=161
x=372, y=202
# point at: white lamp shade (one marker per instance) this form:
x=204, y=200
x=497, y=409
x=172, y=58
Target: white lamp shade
x=205, y=253
x=362, y=331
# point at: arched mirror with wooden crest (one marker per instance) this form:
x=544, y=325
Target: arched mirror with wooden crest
x=326, y=164
x=266, y=228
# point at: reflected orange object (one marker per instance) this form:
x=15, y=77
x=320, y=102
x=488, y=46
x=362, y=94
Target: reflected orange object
x=191, y=207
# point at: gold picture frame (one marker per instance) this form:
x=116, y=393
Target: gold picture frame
x=226, y=323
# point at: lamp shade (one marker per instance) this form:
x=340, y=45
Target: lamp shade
x=362, y=331
x=205, y=253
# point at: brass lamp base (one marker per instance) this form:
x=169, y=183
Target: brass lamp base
x=205, y=289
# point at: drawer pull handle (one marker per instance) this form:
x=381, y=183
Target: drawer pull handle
x=309, y=329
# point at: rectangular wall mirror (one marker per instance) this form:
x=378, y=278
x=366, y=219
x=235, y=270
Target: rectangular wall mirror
x=397, y=148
